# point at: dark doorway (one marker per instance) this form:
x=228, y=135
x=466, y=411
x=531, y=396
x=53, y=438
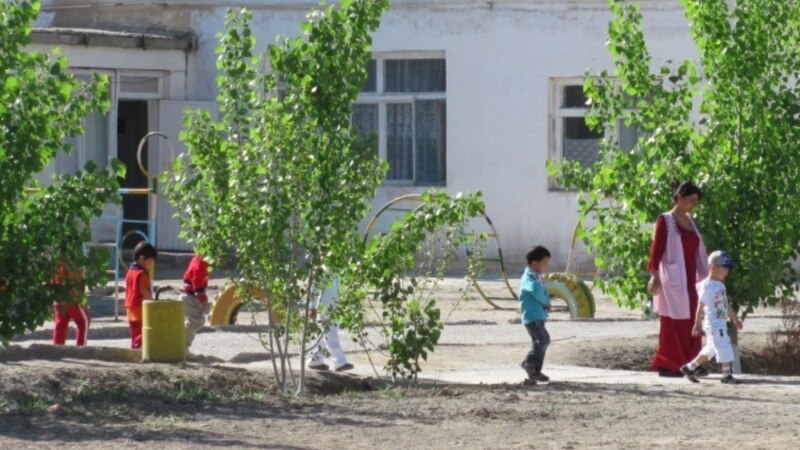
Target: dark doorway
x=131, y=128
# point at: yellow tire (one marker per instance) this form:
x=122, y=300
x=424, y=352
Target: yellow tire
x=228, y=303
x=573, y=291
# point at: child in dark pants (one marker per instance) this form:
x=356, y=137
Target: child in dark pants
x=534, y=304
x=138, y=288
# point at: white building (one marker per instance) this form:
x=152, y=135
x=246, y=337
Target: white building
x=466, y=95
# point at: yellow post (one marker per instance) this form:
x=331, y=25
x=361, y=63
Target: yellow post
x=163, y=331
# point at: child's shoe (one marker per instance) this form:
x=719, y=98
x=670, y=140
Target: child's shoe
x=690, y=374
x=701, y=371
x=345, y=367
x=728, y=379
x=529, y=370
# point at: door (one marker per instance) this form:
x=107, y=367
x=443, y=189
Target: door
x=131, y=128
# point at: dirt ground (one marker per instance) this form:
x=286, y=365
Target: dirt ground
x=72, y=399
x=100, y=406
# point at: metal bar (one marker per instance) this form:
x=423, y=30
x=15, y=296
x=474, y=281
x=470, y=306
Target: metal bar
x=136, y=191
x=483, y=294
x=123, y=191
x=117, y=250
x=401, y=209
x=410, y=197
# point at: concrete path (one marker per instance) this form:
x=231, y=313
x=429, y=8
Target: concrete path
x=512, y=374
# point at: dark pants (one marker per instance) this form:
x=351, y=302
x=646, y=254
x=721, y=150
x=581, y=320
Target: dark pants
x=541, y=339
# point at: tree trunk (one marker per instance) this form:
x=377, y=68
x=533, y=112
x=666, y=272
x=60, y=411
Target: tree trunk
x=737, y=356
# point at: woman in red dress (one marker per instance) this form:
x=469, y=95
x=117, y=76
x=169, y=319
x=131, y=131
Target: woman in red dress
x=677, y=262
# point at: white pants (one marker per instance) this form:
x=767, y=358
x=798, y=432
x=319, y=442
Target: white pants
x=328, y=343
x=718, y=344
x=195, y=315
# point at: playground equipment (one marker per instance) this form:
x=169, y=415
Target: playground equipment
x=226, y=306
x=565, y=286
x=228, y=303
x=395, y=205
x=163, y=331
x=151, y=190
x=574, y=292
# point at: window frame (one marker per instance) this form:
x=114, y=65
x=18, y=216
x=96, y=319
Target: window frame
x=158, y=75
x=555, y=130
x=382, y=99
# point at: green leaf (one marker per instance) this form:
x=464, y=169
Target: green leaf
x=118, y=168
x=12, y=83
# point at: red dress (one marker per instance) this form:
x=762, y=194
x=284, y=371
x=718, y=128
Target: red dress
x=676, y=345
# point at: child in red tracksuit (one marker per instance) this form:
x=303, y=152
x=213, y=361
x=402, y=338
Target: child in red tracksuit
x=69, y=305
x=138, y=288
x=193, y=295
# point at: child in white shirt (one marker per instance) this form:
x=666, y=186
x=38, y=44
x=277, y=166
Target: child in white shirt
x=713, y=311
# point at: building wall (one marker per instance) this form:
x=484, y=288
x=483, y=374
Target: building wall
x=501, y=56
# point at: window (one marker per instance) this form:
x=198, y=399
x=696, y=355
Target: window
x=139, y=85
x=402, y=103
x=570, y=136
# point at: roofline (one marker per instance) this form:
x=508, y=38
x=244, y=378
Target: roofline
x=88, y=37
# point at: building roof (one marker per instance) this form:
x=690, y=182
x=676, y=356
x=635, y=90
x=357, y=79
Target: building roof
x=107, y=38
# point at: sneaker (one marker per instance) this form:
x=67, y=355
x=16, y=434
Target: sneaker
x=728, y=379
x=690, y=374
x=529, y=370
x=320, y=367
x=344, y=367
x=542, y=377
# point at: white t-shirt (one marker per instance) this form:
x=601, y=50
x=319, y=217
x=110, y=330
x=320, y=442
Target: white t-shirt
x=715, y=303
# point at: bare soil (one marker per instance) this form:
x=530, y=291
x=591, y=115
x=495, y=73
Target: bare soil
x=66, y=398
x=102, y=405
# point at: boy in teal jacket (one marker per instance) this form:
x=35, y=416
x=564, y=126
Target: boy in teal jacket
x=534, y=304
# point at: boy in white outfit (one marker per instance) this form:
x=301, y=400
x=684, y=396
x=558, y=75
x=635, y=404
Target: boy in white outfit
x=713, y=311
x=330, y=340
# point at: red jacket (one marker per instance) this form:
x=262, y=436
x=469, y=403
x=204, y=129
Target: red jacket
x=136, y=280
x=195, y=280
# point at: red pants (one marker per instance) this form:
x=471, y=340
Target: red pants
x=136, y=333
x=63, y=314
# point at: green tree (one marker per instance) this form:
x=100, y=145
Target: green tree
x=401, y=270
x=730, y=123
x=280, y=183
x=41, y=105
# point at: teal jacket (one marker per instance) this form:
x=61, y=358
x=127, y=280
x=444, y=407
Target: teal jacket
x=532, y=297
